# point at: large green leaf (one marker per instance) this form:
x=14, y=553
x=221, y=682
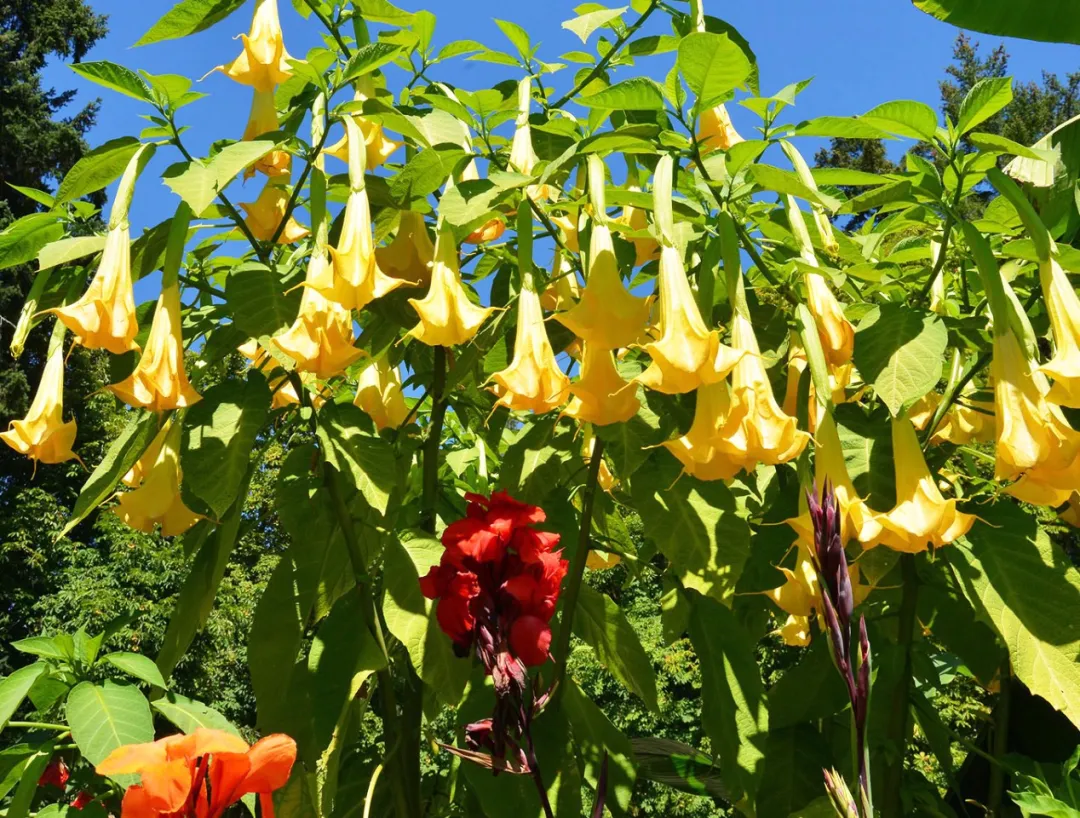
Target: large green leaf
x=189, y=715
x=782, y=181
x=189, y=17
x=734, y=709
x=411, y=618
x=985, y=99
x=584, y=25
x=904, y=117
x=198, y=182
x=24, y=238
x=791, y=779
x=115, y=77
x=599, y=623
x=219, y=436
x=636, y=94
x=97, y=169
x=29, y=781
x=70, y=249
x=810, y=691
x=277, y=631
x=900, y=351
x=137, y=665
x=1027, y=589
x=866, y=441
x=694, y=524
x=370, y=57
x=106, y=716
x=366, y=461
x=713, y=66
x=1050, y=21
x=678, y=766
x=13, y=689
x=256, y=297
x=595, y=735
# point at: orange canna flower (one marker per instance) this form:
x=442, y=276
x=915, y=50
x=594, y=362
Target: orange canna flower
x=265, y=214
x=263, y=120
x=157, y=498
x=200, y=775
x=42, y=434
x=717, y=132
x=922, y=516
x=601, y=396
x=533, y=381
x=379, y=394
x=1063, y=306
x=159, y=382
x=447, y=316
x=264, y=61
x=410, y=254
x=715, y=447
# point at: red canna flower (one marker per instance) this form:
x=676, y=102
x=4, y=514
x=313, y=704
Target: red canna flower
x=82, y=800
x=55, y=774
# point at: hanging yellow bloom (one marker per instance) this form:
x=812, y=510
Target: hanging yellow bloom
x=42, y=434
x=922, y=516
x=281, y=387
x=1063, y=307
x=836, y=333
x=564, y=289
x=447, y=316
x=523, y=158
x=321, y=338
x=159, y=382
x=533, y=381
x=265, y=214
x=687, y=354
x=157, y=499
x=1071, y=514
x=646, y=248
x=263, y=120
x=568, y=226
x=841, y=379
x=379, y=394
x=492, y=229
x=601, y=396
x=606, y=480
x=715, y=447
x=410, y=254
x=377, y=145
x=965, y=422
x=264, y=61
x=717, y=132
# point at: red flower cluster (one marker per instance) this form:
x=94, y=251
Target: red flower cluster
x=56, y=774
x=498, y=581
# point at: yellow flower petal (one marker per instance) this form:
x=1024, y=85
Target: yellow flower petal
x=264, y=61
x=42, y=434
x=1063, y=307
x=447, y=316
x=379, y=394
x=601, y=396
x=717, y=132
x=533, y=381
x=265, y=214
x=157, y=500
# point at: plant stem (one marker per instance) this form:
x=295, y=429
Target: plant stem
x=1001, y=741
x=534, y=769
x=329, y=27
x=201, y=286
x=430, y=484
x=300, y=186
x=38, y=725
x=899, y=724
x=616, y=47
x=946, y=233
x=577, y=566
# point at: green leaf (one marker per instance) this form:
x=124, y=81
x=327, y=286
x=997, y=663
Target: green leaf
x=904, y=117
x=636, y=94
x=13, y=689
x=410, y=617
x=1028, y=591
x=472, y=201
x=678, y=766
x=423, y=174
x=881, y=195
x=137, y=665
x=189, y=17
x=370, y=57
x=713, y=65
x=97, y=169
x=985, y=99
x=791, y=778
x=785, y=182
x=13, y=763
x=587, y=23
x=219, y=436
x=841, y=127
x=28, y=782
x=123, y=453
x=199, y=182
x=107, y=716
x=256, y=299
x=23, y=239
x=993, y=143
x=65, y=250
x=734, y=709
x=189, y=715
x=1050, y=21
x=867, y=444
x=900, y=351
x=39, y=196
x=382, y=11
x=599, y=623
x=57, y=648
x=694, y=524
x=517, y=36
x=115, y=77
x=277, y=631
x=846, y=176
x=595, y=735
x=366, y=461
x=810, y=691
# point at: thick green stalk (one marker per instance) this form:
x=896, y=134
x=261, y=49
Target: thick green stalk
x=898, y=729
x=1001, y=742
x=430, y=481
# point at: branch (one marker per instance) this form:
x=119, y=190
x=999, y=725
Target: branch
x=300, y=184
x=330, y=27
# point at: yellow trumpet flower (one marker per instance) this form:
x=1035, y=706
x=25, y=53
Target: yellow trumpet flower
x=569, y=227
x=410, y=254
x=687, y=354
x=836, y=333
x=715, y=447
x=262, y=120
x=159, y=382
x=606, y=480
x=968, y=422
x=922, y=516
x=42, y=434
x=717, y=132
x=523, y=158
x=379, y=394
x=533, y=381
x=840, y=379
x=264, y=61
x=377, y=145
x=1063, y=307
x=1071, y=514
x=564, y=290
x=284, y=394
x=447, y=316
x=646, y=248
x=265, y=214
x=601, y=396
x=492, y=229
x=157, y=499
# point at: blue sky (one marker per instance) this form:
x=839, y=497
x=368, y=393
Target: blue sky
x=859, y=52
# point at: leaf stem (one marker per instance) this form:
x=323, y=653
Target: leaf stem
x=946, y=234
x=898, y=727
x=300, y=185
x=38, y=725
x=330, y=27
x=430, y=479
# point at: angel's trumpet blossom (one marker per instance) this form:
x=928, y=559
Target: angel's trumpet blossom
x=922, y=517
x=379, y=394
x=264, y=62
x=1063, y=307
x=377, y=145
x=157, y=500
x=262, y=120
x=42, y=434
x=645, y=247
x=715, y=447
x=965, y=422
x=601, y=396
x=493, y=228
x=447, y=316
x=283, y=392
x=717, y=132
x=409, y=256
x=533, y=381
x=564, y=291
x=265, y=214
x=523, y=158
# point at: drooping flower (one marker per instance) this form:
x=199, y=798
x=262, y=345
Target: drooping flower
x=836, y=333
x=601, y=396
x=715, y=446
x=157, y=500
x=200, y=775
x=377, y=145
x=564, y=290
x=568, y=227
x=843, y=386
x=263, y=119
x=604, y=478
x=646, y=248
x=717, y=132
x=264, y=61
x=1071, y=513
x=281, y=387
x=1063, y=307
x=922, y=517
x=522, y=157
x=379, y=394
x=265, y=214
x=159, y=382
x=56, y=774
x=447, y=316
x=533, y=381
x=42, y=434
x=966, y=421
x=410, y=255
